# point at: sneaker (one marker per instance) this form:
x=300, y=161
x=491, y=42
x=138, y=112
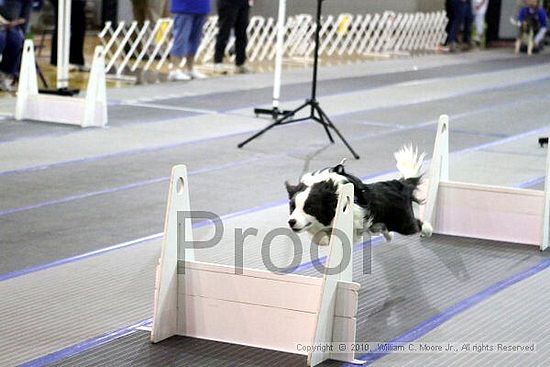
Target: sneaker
x=178, y=75
x=194, y=74
x=241, y=69
x=219, y=69
x=5, y=83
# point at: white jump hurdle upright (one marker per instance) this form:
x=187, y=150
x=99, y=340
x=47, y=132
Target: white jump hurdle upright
x=482, y=211
x=256, y=308
x=88, y=111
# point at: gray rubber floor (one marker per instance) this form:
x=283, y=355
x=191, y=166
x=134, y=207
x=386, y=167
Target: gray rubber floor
x=123, y=183
x=67, y=192
x=408, y=282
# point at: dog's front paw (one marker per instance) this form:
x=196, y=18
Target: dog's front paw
x=388, y=236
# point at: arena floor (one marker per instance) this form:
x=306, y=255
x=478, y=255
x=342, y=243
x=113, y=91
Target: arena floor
x=82, y=211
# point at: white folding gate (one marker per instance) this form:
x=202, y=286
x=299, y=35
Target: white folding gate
x=129, y=47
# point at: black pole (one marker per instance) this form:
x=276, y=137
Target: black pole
x=316, y=53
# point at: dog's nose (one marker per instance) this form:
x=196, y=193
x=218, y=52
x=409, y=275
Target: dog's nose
x=292, y=223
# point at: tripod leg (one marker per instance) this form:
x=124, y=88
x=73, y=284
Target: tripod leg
x=41, y=75
x=322, y=121
x=279, y=121
x=259, y=133
x=329, y=123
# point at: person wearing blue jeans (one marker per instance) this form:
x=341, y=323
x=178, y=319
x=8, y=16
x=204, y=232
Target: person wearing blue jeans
x=11, y=45
x=463, y=17
x=189, y=18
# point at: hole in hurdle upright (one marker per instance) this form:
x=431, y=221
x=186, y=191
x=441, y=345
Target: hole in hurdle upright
x=484, y=211
x=195, y=298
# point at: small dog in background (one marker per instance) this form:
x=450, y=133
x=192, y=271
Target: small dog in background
x=380, y=207
x=525, y=42
x=532, y=25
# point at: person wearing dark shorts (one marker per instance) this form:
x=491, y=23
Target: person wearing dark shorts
x=189, y=18
x=232, y=14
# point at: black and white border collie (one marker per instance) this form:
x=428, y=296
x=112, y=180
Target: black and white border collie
x=380, y=207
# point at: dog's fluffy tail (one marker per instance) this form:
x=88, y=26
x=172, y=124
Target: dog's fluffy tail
x=409, y=162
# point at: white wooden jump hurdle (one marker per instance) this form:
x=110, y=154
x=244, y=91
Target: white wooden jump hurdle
x=255, y=308
x=88, y=111
x=482, y=211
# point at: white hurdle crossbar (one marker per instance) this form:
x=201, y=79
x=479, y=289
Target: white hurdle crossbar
x=85, y=112
x=211, y=301
x=483, y=211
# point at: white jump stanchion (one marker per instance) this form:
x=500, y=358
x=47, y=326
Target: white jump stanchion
x=482, y=211
x=281, y=29
x=214, y=302
x=63, y=43
x=88, y=111
x=546, y=217
x=279, y=45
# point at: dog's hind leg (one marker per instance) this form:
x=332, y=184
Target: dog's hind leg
x=426, y=229
x=383, y=230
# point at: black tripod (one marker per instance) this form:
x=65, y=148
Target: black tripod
x=316, y=112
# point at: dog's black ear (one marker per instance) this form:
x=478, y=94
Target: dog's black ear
x=292, y=190
x=339, y=169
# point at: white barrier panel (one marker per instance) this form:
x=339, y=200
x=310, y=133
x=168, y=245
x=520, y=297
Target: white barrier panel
x=88, y=111
x=483, y=211
x=195, y=298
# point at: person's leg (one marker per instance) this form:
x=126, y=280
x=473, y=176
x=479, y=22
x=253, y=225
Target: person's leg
x=241, y=38
x=450, y=17
x=479, y=20
x=468, y=19
x=11, y=53
x=226, y=18
x=180, y=34
x=139, y=10
x=5, y=80
x=179, y=39
x=53, y=54
x=194, y=41
x=455, y=22
x=3, y=35
x=78, y=32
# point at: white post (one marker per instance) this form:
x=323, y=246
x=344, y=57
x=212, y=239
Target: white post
x=279, y=55
x=546, y=217
x=95, y=107
x=28, y=86
x=439, y=167
x=63, y=42
x=165, y=310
